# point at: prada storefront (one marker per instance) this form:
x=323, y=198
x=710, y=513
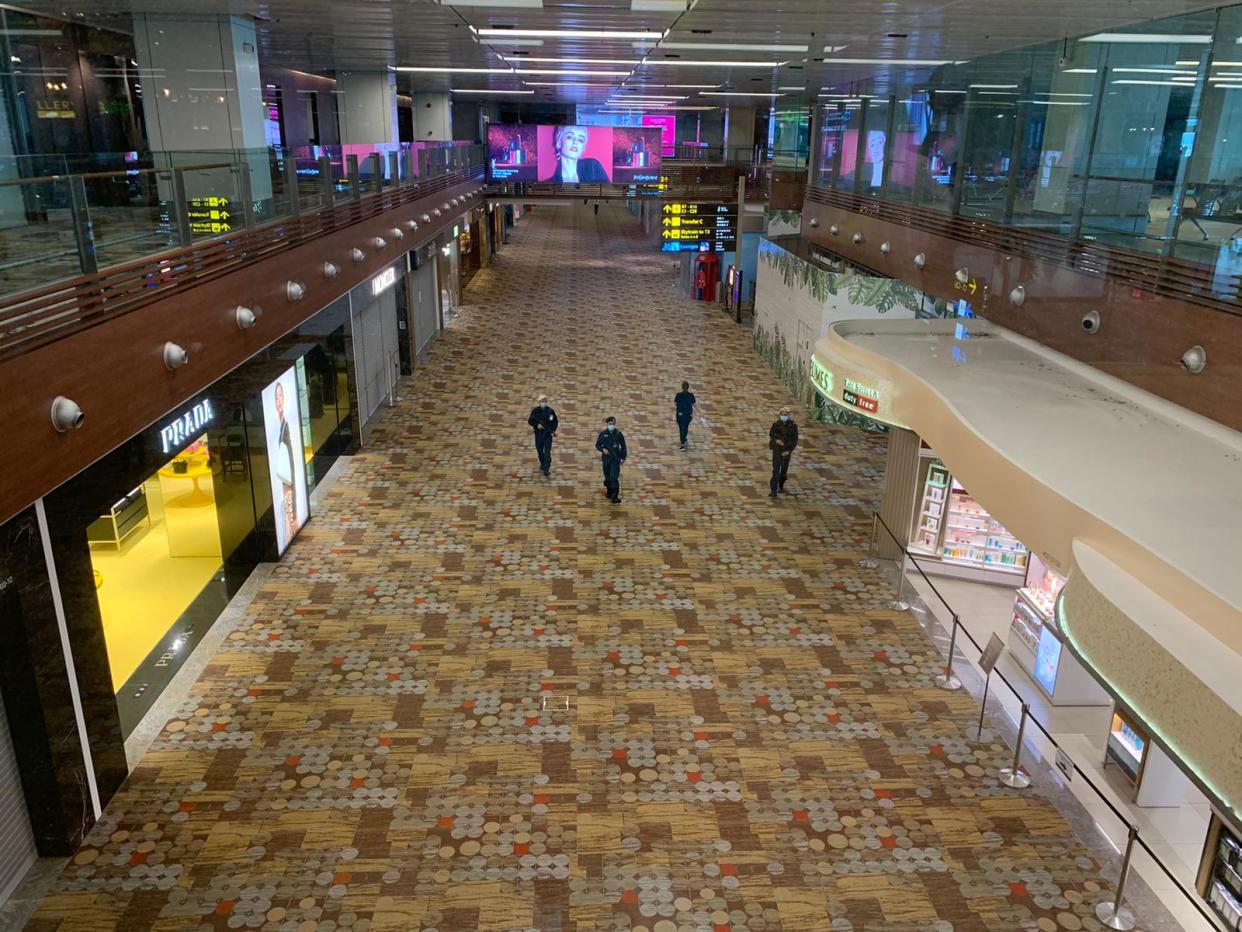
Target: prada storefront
x=119, y=573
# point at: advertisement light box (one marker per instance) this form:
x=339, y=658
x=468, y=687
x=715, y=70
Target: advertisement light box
x=574, y=154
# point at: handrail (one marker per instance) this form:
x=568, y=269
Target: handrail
x=121, y=173
x=39, y=316
x=1162, y=275
x=959, y=626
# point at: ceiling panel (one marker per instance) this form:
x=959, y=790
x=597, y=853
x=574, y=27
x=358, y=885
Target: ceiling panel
x=323, y=36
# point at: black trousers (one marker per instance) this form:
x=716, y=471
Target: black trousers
x=543, y=446
x=612, y=476
x=683, y=426
x=780, y=470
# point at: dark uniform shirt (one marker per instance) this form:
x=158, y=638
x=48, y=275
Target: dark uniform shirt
x=613, y=443
x=786, y=431
x=685, y=405
x=546, y=417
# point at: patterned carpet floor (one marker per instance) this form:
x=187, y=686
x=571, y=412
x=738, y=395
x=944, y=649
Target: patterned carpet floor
x=474, y=698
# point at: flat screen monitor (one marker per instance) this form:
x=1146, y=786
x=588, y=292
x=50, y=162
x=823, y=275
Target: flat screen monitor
x=574, y=154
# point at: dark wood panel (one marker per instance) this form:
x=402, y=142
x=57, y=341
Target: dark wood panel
x=1142, y=335
x=115, y=370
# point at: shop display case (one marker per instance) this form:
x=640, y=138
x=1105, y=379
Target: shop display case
x=1043, y=585
x=1220, y=873
x=955, y=531
x=1157, y=781
x=126, y=515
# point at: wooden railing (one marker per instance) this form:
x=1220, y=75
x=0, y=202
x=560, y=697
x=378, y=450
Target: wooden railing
x=1162, y=275
x=39, y=316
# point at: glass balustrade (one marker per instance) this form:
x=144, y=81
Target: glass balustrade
x=64, y=215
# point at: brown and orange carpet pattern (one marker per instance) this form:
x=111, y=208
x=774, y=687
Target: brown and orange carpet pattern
x=474, y=698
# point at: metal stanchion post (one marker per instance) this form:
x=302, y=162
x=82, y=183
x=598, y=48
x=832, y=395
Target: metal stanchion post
x=869, y=561
x=1013, y=775
x=987, y=681
x=1113, y=914
x=899, y=604
x=947, y=680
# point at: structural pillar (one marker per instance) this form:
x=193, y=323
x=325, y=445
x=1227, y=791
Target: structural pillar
x=201, y=92
x=368, y=107
x=897, y=505
x=433, y=117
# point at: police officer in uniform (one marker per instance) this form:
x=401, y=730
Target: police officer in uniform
x=611, y=445
x=543, y=422
x=684, y=402
x=782, y=439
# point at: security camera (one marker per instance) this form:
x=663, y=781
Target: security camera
x=1194, y=359
x=175, y=356
x=1091, y=321
x=244, y=317
x=66, y=414
x=1063, y=62
x=330, y=270
x=357, y=254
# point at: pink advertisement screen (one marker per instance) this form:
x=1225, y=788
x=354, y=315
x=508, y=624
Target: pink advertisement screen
x=574, y=154
x=668, y=124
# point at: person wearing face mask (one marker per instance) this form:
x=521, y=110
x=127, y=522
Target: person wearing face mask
x=611, y=445
x=684, y=402
x=782, y=439
x=543, y=422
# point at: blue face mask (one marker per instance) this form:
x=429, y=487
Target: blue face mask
x=612, y=426
x=543, y=404
x=784, y=417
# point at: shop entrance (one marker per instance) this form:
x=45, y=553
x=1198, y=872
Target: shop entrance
x=158, y=573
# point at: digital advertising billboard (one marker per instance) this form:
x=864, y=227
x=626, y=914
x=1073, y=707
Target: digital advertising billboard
x=282, y=427
x=574, y=154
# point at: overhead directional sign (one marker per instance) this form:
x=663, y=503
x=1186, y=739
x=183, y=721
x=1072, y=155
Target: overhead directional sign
x=697, y=226
x=209, y=214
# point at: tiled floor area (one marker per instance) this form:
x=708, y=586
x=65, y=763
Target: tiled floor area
x=752, y=741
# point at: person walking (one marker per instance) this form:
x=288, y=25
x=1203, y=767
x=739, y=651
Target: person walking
x=782, y=440
x=611, y=445
x=684, y=401
x=544, y=422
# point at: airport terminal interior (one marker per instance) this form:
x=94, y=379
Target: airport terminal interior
x=630, y=465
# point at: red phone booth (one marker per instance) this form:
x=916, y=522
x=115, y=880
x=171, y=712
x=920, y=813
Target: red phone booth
x=706, y=275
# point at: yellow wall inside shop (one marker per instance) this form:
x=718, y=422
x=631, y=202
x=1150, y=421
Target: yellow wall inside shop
x=142, y=588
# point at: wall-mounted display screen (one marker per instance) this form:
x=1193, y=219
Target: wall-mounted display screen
x=282, y=426
x=1047, y=660
x=574, y=154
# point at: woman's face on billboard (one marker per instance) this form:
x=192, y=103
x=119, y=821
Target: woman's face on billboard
x=573, y=143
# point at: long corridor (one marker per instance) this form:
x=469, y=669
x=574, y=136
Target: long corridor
x=474, y=698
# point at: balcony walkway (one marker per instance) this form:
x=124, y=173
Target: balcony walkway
x=753, y=740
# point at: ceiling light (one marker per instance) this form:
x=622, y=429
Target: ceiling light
x=1154, y=71
x=572, y=33
x=679, y=86
x=1225, y=87
x=995, y=86
x=939, y=91
x=1160, y=83
x=1057, y=103
x=467, y=90
x=511, y=41
x=647, y=62
x=794, y=89
x=1219, y=64
x=655, y=107
x=575, y=61
x=661, y=6
x=1225, y=74
x=1065, y=94
x=1144, y=37
x=526, y=4
x=739, y=94
x=1080, y=70
x=582, y=84
x=731, y=47
x=884, y=61
x=431, y=70
x=579, y=71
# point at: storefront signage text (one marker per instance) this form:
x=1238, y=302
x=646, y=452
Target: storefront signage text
x=859, y=389
x=174, y=435
x=821, y=378
x=383, y=281
x=865, y=404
